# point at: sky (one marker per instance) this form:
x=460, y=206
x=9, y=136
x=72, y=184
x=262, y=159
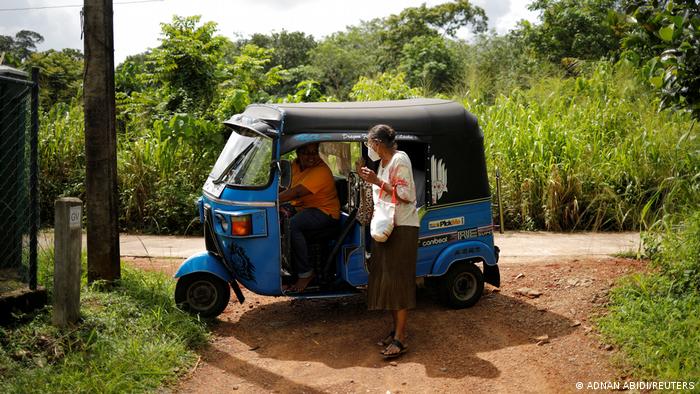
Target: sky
x=137, y=22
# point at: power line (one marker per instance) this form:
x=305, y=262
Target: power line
x=74, y=5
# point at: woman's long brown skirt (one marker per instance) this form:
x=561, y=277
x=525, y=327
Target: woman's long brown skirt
x=392, y=271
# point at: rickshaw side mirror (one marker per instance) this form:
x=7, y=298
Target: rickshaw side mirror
x=285, y=168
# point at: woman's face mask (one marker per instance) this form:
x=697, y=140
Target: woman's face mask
x=373, y=155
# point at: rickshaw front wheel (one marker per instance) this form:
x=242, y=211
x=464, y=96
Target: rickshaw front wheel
x=202, y=293
x=462, y=285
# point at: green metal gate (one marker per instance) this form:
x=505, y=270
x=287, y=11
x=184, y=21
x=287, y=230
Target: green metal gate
x=19, y=215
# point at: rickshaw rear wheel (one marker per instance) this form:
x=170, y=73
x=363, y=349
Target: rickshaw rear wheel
x=462, y=285
x=202, y=293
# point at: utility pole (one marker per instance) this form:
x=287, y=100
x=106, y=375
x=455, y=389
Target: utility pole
x=100, y=142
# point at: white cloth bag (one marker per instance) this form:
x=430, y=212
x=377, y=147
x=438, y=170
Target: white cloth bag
x=383, y=217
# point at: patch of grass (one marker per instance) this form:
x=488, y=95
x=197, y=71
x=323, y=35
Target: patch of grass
x=653, y=317
x=131, y=339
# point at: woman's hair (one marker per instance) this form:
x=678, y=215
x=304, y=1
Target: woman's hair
x=384, y=134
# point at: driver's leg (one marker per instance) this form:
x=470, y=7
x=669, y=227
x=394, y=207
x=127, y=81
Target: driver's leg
x=306, y=220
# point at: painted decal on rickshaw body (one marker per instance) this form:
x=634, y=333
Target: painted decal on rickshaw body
x=242, y=266
x=438, y=178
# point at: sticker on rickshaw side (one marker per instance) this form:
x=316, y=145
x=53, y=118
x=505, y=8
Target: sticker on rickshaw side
x=455, y=236
x=445, y=223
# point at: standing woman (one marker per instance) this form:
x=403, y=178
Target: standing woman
x=392, y=277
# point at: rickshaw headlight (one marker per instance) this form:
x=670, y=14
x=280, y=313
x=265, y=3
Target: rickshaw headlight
x=241, y=225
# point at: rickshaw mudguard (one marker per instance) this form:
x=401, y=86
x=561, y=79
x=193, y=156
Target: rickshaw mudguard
x=208, y=262
x=471, y=250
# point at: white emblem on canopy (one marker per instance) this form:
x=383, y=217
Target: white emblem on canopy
x=438, y=178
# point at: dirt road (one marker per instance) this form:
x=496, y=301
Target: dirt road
x=506, y=343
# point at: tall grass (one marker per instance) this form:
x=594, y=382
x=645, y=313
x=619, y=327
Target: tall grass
x=161, y=169
x=61, y=155
x=587, y=153
x=161, y=172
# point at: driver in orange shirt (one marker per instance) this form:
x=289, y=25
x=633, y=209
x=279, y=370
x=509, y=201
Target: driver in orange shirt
x=313, y=194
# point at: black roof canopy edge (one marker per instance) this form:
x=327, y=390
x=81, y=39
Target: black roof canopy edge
x=413, y=116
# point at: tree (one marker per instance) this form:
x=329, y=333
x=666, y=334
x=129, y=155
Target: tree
x=18, y=49
x=129, y=76
x=187, y=63
x=495, y=65
x=444, y=19
x=291, y=49
x=669, y=39
x=582, y=29
x=343, y=57
x=61, y=75
x=248, y=80
x=428, y=62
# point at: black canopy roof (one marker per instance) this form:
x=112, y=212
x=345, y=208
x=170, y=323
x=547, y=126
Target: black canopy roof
x=419, y=117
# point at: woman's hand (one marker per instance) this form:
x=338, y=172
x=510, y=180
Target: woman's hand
x=369, y=176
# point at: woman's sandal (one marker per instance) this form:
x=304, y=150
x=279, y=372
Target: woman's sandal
x=387, y=340
x=402, y=349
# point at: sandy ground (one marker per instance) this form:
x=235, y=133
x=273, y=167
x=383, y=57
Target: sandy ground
x=507, y=343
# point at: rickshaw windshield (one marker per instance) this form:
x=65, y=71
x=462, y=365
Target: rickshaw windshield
x=245, y=160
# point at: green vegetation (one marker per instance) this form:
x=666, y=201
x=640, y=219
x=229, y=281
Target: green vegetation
x=575, y=136
x=130, y=339
x=654, y=317
x=586, y=152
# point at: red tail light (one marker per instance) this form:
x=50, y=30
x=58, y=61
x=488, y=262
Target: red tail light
x=241, y=225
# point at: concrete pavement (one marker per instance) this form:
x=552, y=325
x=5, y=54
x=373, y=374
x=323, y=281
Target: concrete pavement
x=516, y=247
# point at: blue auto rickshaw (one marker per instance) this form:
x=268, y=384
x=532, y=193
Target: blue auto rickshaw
x=246, y=236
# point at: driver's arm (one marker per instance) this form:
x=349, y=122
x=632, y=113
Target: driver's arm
x=293, y=193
